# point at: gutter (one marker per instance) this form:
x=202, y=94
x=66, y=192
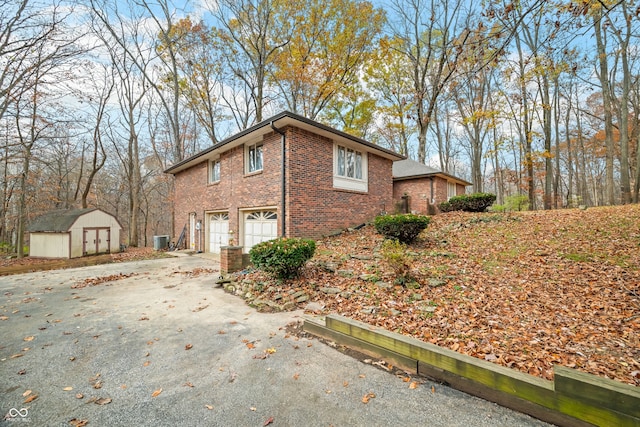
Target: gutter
x=283, y=188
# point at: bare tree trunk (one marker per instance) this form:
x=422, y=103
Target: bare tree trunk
x=603, y=76
x=625, y=183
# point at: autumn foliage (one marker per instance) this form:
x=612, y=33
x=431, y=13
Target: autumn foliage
x=525, y=290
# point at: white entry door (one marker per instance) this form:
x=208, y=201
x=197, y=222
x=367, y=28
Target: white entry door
x=259, y=227
x=218, y=231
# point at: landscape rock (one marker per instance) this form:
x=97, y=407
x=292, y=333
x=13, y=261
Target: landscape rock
x=297, y=294
x=345, y=273
x=314, y=306
x=330, y=291
x=436, y=283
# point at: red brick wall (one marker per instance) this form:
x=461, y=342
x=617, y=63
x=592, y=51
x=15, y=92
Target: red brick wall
x=235, y=190
x=419, y=191
x=315, y=207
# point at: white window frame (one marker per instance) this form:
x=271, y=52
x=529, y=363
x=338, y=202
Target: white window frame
x=359, y=180
x=452, y=189
x=257, y=147
x=212, y=169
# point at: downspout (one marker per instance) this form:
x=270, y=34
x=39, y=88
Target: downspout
x=283, y=194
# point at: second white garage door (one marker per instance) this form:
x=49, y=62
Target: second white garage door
x=259, y=227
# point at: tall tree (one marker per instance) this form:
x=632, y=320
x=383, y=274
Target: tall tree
x=602, y=71
x=251, y=34
x=387, y=76
x=330, y=42
x=146, y=46
x=431, y=35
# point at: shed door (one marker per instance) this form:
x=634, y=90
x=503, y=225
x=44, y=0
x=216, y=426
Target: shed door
x=104, y=240
x=259, y=227
x=95, y=240
x=89, y=241
x=218, y=231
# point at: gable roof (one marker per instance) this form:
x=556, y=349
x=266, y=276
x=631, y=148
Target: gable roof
x=280, y=120
x=410, y=169
x=58, y=221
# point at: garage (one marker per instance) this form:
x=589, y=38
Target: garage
x=259, y=226
x=74, y=233
x=218, y=231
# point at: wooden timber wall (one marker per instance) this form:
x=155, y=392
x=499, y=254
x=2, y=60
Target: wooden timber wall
x=574, y=398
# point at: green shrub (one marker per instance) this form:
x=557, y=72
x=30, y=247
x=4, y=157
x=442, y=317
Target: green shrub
x=283, y=257
x=404, y=228
x=396, y=256
x=477, y=202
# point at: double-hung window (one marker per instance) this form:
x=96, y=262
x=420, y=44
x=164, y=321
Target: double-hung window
x=349, y=163
x=254, y=158
x=214, y=171
x=350, y=169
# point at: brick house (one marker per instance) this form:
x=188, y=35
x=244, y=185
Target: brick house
x=418, y=188
x=286, y=176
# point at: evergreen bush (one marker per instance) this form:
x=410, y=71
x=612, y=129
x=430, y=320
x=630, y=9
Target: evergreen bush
x=282, y=257
x=477, y=202
x=404, y=228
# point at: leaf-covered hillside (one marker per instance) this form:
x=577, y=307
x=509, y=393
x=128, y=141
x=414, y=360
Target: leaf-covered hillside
x=525, y=290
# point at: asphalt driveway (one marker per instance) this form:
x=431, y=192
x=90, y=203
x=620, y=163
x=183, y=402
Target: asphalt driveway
x=159, y=345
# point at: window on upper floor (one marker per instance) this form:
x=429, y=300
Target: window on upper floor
x=350, y=169
x=253, y=156
x=214, y=171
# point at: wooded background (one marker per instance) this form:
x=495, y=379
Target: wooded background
x=536, y=101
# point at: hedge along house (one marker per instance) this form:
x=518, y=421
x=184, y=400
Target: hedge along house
x=418, y=188
x=74, y=233
x=286, y=176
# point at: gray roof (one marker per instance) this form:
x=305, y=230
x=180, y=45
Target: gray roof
x=57, y=221
x=410, y=169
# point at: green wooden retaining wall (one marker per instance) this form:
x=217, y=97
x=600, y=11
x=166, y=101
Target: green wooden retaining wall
x=574, y=398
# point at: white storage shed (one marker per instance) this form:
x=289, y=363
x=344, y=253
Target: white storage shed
x=74, y=233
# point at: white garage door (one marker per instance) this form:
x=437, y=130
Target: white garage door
x=259, y=227
x=218, y=231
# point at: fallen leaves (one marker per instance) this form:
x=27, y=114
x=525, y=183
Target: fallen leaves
x=78, y=423
x=95, y=281
x=367, y=397
x=524, y=290
x=188, y=346
x=156, y=393
x=30, y=338
x=103, y=401
x=200, y=308
x=30, y=398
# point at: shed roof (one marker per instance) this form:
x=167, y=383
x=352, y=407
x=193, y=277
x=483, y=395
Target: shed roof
x=410, y=169
x=59, y=220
